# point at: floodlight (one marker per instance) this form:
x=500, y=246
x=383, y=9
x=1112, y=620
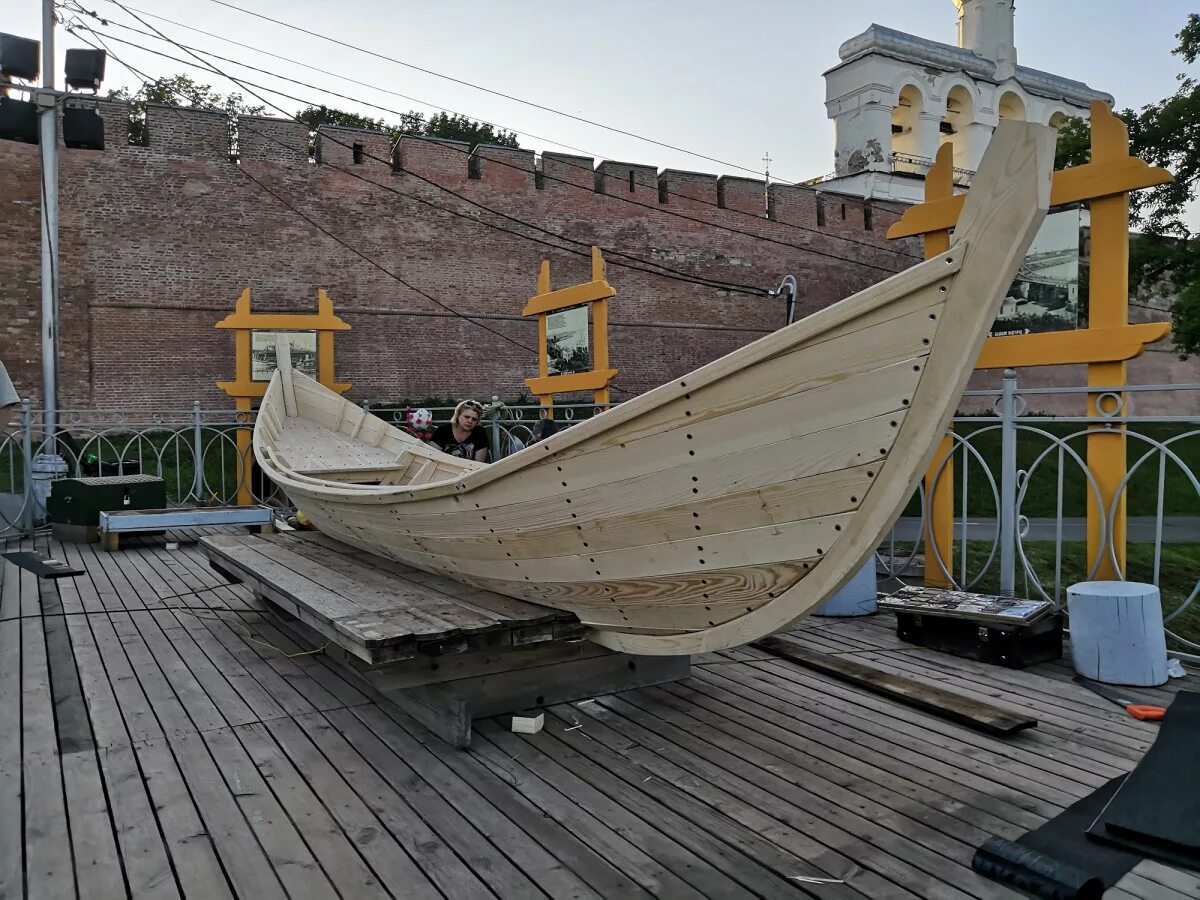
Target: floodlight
x=19, y=57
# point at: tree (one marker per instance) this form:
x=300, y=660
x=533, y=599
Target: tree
x=1164, y=134
x=460, y=128
x=441, y=125
x=178, y=90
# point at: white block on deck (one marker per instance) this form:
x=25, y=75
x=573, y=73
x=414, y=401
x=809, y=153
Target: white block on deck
x=1117, y=632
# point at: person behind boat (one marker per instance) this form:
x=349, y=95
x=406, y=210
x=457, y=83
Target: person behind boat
x=542, y=429
x=463, y=436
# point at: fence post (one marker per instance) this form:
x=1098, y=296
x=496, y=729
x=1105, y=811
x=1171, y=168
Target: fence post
x=198, y=452
x=494, y=431
x=27, y=464
x=1008, y=483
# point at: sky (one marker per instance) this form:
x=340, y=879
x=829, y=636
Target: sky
x=732, y=81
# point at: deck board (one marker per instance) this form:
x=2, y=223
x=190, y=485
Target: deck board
x=160, y=738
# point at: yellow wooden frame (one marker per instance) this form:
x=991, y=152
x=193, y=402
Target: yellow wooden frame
x=1105, y=345
x=245, y=390
x=596, y=293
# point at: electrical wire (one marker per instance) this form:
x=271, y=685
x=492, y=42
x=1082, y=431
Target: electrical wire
x=667, y=271
x=477, y=87
x=147, y=81
x=245, y=85
x=588, y=169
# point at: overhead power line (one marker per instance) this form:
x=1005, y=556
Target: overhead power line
x=588, y=169
x=145, y=79
x=246, y=85
x=486, y=90
x=666, y=271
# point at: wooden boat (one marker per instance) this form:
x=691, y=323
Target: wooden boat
x=717, y=508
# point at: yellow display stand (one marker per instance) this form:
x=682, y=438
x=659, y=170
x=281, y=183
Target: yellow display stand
x=1105, y=345
x=596, y=293
x=245, y=390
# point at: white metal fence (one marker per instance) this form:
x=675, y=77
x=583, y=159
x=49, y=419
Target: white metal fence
x=1021, y=485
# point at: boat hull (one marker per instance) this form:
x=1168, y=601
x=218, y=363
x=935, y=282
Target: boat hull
x=717, y=508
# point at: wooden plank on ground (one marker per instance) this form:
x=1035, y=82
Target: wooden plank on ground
x=10, y=590
x=941, y=702
x=283, y=845
x=134, y=788
x=12, y=846
x=831, y=738
x=670, y=787
x=606, y=794
x=489, y=867
x=555, y=857
x=363, y=811
x=97, y=863
x=48, y=861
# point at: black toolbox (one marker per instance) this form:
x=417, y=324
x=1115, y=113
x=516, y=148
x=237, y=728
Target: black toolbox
x=75, y=504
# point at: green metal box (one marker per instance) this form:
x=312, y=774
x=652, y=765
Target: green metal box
x=79, y=501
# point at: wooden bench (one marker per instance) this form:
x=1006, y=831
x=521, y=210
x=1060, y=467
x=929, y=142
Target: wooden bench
x=133, y=521
x=443, y=652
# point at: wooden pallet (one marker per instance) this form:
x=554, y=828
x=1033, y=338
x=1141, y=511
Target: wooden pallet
x=443, y=652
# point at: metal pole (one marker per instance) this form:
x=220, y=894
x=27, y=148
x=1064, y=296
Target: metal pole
x=494, y=431
x=27, y=460
x=48, y=140
x=1008, y=483
x=197, y=451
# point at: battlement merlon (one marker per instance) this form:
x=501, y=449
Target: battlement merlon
x=188, y=131
x=359, y=148
x=792, y=204
x=444, y=161
x=677, y=187
x=270, y=139
x=743, y=194
x=627, y=180
x=558, y=168
x=116, y=121
x=506, y=168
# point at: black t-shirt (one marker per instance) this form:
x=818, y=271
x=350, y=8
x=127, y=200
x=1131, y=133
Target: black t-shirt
x=477, y=440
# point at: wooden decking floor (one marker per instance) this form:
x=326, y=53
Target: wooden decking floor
x=159, y=737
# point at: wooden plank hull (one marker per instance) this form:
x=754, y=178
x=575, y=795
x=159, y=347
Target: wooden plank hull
x=717, y=508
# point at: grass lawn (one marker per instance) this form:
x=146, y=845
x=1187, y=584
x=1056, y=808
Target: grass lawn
x=1179, y=572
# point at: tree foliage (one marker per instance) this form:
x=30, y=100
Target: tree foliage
x=182, y=90
x=1167, y=134
x=178, y=90
x=441, y=125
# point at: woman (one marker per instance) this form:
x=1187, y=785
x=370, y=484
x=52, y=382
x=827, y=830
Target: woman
x=463, y=436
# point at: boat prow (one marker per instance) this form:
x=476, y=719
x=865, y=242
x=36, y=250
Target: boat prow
x=719, y=507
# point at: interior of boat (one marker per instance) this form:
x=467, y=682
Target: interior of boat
x=318, y=452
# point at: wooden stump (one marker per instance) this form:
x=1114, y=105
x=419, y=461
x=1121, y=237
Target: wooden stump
x=1117, y=632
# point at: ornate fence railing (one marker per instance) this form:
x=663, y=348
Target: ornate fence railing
x=1021, y=485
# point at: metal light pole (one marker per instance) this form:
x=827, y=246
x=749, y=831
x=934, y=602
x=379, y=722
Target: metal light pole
x=48, y=124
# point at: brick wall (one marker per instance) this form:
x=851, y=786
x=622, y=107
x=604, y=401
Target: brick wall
x=158, y=241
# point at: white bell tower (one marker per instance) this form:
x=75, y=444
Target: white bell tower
x=985, y=27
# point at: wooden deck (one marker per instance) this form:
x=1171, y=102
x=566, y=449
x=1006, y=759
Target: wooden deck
x=159, y=737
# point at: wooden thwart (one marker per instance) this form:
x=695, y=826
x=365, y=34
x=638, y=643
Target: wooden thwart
x=947, y=704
